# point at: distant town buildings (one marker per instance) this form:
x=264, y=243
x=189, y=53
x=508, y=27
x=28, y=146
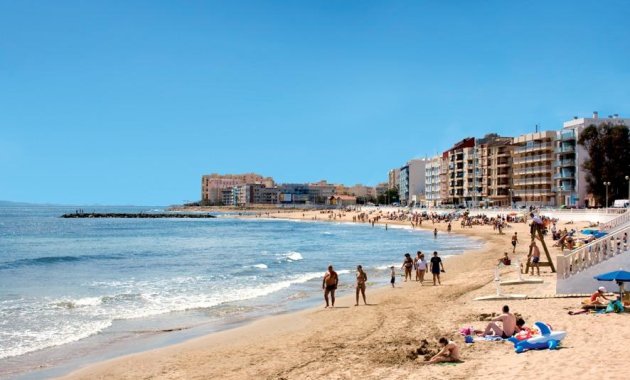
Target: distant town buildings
x=541, y=168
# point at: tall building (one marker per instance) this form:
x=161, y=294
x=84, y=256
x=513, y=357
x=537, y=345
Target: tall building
x=412, y=182
x=570, y=184
x=532, y=163
x=392, y=178
x=495, y=162
x=432, y=193
x=212, y=185
x=462, y=173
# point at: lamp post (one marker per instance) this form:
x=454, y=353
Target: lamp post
x=510, y=193
x=606, y=184
x=628, y=179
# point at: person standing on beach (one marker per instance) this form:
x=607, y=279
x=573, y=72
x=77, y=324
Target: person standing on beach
x=535, y=256
x=361, y=280
x=393, y=280
x=436, y=268
x=329, y=284
x=407, y=265
x=421, y=268
x=514, y=241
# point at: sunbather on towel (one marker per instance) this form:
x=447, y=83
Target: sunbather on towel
x=508, y=322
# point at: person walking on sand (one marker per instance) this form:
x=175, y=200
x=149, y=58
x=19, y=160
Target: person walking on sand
x=508, y=324
x=407, y=265
x=448, y=353
x=393, y=280
x=535, y=257
x=415, y=264
x=436, y=268
x=514, y=241
x=329, y=284
x=421, y=267
x=361, y=280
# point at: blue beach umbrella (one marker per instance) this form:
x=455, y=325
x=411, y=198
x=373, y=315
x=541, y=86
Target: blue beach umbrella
x=620, y=276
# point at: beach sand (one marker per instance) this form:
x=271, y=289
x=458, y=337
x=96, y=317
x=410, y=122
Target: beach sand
x=380, y=341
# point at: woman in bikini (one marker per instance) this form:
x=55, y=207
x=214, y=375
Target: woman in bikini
x=408, y=266
x=361, y=280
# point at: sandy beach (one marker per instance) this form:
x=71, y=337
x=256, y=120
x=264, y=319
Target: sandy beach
x=381, y=340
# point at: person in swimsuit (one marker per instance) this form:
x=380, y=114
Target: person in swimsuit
x=514, y=241
x=598, y=298
x=408, y=266
x=436, y=268
x=361, y=280
x=329, y=284
x=393, y=280
x=421, y=268
x=415, y=265
x=449, y=352
x=508, y=322
x=535, y=258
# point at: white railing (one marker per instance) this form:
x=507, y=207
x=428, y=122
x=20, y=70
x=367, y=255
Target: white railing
x=614, y=243
x=618, y=221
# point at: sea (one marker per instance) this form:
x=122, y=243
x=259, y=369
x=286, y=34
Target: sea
x=74, y=291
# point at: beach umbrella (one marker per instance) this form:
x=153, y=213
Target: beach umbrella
x=619, y=276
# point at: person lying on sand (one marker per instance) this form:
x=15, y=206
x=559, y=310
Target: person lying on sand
x=508, y=322
x=449, y=352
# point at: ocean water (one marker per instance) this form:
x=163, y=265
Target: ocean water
x=70, y=280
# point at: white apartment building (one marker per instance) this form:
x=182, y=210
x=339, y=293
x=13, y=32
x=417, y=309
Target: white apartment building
x=412, y=182
x=432, y=193
x=570, y=184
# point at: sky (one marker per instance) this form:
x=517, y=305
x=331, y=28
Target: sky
x=130, y=102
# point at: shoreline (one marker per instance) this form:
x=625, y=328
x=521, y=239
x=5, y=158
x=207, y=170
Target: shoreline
x=372, y=342
x=126, y=342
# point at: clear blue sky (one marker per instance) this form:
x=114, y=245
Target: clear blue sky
x=130, y=102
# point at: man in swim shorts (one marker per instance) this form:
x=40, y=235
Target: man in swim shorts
x=329, y=284
x=508, y=322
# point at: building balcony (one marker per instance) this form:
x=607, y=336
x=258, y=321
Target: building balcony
x=567, y=136
x=532, y=192
x=532, y=159
x=562, y=189
x=532, y=181
x=533, y=170
x=565, y=163
x=533, y=148
x=564, y=175
x=565, y=149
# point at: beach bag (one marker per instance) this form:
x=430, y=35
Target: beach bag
x=614, y=307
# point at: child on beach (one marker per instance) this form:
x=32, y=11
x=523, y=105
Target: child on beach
x=449, y=352
x=393, y=280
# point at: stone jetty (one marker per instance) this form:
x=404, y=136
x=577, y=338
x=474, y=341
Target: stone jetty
x=140, y=215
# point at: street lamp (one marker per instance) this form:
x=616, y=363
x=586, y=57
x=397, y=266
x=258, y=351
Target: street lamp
x=628, y=179
x=606, y=184
x=510, y=193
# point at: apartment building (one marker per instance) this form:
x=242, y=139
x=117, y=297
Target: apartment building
x=392, y=178
x=432, y=191
x=462, y=174
x=532, y=168
x=411, y=182
x=212, y=185
x=495, y=162
x=570, y=184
